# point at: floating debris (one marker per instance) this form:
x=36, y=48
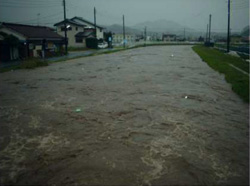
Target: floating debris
x=78, y=110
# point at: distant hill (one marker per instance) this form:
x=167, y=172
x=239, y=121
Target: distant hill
x=119, y=29
x=162, y=26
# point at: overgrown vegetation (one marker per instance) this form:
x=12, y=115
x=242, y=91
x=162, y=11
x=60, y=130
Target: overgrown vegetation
x=33, y=63
x=30, y=63
x=220, y=62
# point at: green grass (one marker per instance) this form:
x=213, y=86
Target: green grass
x=220, y=62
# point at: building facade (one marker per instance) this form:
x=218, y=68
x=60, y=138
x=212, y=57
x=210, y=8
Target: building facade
x=78, y=30
x=168, y=37
x=118, y=38
x=31, y=40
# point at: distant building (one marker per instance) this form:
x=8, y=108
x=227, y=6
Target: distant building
x=118, y=38
x=201, y=39
x=21, y=41
x=246, y=39
x=235, y=38
x=139, y=37
x=78, y=30
x=168, y=37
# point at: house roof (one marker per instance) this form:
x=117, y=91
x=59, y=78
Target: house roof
x=79, y=21
x=85, y=34
x=69, y=21
x=33, y=32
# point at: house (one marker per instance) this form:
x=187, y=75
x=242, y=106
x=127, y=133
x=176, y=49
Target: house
x=168, y=37
x=21, y=41
x=118, y=38
x=235, y=38
x=78, y=30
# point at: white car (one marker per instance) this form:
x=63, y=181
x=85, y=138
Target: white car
x=103, y=45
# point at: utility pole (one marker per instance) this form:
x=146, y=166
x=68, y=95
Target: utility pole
x=38, y=18
x=95, y=22
x=65, y=28
x=145, y=35
x=184, y=34
x=209, y=35
x=123, y=19
x=228, y=29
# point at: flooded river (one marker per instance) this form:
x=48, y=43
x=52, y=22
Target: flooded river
x=147, y=116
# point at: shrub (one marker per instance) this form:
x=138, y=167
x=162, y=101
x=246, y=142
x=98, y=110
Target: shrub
x=33, y=63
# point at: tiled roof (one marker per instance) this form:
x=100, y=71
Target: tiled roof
x=85, y=34
x=79, y=21
x=33, y=32
x=70, y=21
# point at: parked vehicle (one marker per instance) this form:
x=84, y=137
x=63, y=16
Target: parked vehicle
x=103, y=45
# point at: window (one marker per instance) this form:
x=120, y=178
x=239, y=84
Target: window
x=79, y=40
x=62, y=28
x=76, y=28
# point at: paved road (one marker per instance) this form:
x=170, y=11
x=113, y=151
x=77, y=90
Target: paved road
x=138, y=117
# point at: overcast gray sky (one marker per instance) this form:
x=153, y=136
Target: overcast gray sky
x=189, y=13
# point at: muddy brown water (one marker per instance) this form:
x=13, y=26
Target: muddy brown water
x=135, y=125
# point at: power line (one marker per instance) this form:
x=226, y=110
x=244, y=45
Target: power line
x=10, y=6
x=30, y=20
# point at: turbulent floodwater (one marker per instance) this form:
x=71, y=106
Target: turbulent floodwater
x=139, y=117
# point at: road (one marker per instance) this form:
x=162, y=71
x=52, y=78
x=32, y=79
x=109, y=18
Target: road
x=147, y=116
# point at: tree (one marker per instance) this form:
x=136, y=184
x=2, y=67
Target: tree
x=245, y=32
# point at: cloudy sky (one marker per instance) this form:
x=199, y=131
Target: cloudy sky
x=189, y=13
